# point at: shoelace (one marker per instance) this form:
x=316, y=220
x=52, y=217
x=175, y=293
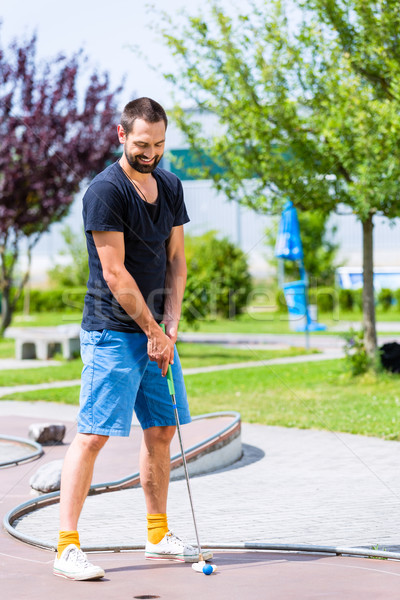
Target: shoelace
x=79, y=557
x=171, y=537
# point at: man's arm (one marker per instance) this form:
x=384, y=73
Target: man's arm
x=111, y=250
x=175, y=281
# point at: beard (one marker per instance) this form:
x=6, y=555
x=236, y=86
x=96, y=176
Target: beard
x=140, y=167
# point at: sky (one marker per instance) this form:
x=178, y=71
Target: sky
x=107, y=31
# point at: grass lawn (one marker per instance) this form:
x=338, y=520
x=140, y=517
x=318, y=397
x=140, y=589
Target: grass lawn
x=314, y=395
x=68, y=395
x=65, y=371
x=202, y=355
x=7, y=348
x=192, y=355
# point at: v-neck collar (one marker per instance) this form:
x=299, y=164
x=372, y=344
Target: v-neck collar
x=135, y=190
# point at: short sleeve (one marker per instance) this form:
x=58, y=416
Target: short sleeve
x=181, y=216
x=103, y=208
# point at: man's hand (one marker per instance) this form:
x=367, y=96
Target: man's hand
x=160, y=349
x=171, y=329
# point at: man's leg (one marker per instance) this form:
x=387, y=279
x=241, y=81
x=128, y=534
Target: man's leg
x=155, y=467
x=76, y=478
x=154, y=476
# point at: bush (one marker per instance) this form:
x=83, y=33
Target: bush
x=356, y=354
x=358, y=299
x=219, y=281
x=346, y=300
x=386, y=299
x=59, y=300
x=324, y=298
x=396, y=295
x=350, y=300
x=280, y=301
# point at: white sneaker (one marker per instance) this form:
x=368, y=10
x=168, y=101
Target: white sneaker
x=173, y=548
x=73, y=564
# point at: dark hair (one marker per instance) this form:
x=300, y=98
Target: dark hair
x=142, y=108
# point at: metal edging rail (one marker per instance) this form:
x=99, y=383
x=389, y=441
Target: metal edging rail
x=26, y=442
x=357, y=552
x=308, y=549
x=110, y=486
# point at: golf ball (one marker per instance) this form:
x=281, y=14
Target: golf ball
x=207, y=569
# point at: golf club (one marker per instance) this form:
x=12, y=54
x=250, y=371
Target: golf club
x=201, y=566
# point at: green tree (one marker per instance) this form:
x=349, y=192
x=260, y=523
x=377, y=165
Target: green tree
x=76, y=273
x=306, y=110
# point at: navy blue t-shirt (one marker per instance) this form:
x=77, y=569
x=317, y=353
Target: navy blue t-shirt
x=111, y=203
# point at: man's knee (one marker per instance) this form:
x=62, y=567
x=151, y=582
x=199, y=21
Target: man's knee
x=159, y=435
x=92, y=442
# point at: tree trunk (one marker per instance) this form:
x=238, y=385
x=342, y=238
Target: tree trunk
x=368, y=288
x=6, y=310
x=11, y=293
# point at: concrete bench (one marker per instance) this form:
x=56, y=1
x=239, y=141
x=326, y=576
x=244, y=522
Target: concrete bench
x=44, y=342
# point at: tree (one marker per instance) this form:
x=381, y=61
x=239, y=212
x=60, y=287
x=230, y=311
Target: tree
x=307, y=110
x=50, y=140
x=76, y=273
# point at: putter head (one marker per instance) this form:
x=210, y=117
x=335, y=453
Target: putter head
x=199, y=566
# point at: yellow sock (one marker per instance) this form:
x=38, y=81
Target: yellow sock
x=66, y=538
x=157, y=527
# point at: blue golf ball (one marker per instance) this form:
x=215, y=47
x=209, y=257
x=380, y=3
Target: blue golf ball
x=207, y=569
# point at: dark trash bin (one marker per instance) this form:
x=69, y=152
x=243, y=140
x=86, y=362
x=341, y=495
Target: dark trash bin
x=390, y=356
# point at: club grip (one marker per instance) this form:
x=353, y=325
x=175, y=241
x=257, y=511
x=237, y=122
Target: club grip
x=170, y=379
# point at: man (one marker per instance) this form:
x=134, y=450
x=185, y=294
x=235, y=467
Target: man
x=133, y=214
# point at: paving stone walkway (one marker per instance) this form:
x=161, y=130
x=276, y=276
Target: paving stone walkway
x=292, y=486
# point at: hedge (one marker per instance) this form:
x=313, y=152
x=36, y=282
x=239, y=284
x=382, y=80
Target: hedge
x=327, y=299
x=66, y=300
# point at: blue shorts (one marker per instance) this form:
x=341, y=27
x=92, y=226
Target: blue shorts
x=118, y=378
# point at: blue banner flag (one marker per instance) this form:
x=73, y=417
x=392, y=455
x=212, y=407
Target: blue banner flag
x=288, y=243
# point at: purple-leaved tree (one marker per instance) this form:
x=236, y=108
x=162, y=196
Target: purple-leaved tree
x=51, y=138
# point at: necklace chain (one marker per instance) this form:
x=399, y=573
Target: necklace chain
x=134, y=184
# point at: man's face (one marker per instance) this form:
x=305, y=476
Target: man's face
x=144, y=145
